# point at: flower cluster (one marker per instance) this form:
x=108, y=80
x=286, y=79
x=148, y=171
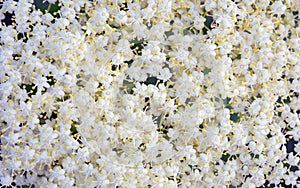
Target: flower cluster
x=157, y=93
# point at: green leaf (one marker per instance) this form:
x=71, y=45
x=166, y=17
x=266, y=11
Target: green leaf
x=206, y=71
x=225, y=157
x=234, y=117
x=47, y=7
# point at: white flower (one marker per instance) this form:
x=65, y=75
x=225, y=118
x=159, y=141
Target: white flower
x=278, y=8
x=199, y=22
x=297, y=147
x=295, y=133
x=293, y=160
x=140, y=30
x=296, y=86
x=291, y=178
x=250, y=79
x=293, y=119
x=6, y=180
x=69, y=165
x=164, y=74
x=57, y=174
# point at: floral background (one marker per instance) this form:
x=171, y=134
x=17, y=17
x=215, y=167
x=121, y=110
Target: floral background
x=149, y=93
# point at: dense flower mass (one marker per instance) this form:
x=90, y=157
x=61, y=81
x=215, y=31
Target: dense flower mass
x=150, y=93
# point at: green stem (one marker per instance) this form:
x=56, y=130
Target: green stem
x=49, y=7
x=161, y=119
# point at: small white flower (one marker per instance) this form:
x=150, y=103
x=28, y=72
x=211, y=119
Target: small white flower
x=278, y=8
x=199, y=22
